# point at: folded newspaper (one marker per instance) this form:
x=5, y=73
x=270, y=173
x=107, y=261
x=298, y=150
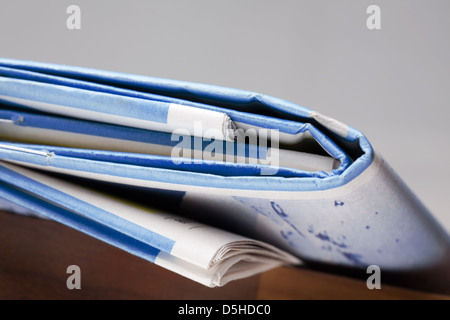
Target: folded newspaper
x=250, y=182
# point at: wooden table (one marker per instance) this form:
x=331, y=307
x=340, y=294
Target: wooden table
x=35, y=254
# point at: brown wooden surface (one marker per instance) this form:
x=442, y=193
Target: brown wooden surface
x=35, y=254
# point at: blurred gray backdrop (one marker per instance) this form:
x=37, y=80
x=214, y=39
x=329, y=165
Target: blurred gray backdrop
x=393, y=84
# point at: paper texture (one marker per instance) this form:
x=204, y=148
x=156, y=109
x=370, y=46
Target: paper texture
x=280, y=183
x=208, y=255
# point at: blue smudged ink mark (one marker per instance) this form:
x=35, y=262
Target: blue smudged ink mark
x=327, y=248
x=257, y=207
x=339, y=238
x=311, y=229
x=339, y=244
x=276, y=207
x=397, y=240
x=286, y=235
x=338, y=203
x=353, y=257
x=376, y=212
x=323, y=236
x=367, y=227
x=280, y=212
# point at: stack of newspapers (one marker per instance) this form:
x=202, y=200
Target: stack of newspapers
x=213, y=183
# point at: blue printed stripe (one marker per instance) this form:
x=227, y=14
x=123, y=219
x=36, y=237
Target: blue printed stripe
x=78, y=222
x=148, y=160
x=86, y=210
x=111, y=104
x=131, y=134
x=290, y=127
x=273, y=183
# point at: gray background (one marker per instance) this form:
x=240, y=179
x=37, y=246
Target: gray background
x=392, y=84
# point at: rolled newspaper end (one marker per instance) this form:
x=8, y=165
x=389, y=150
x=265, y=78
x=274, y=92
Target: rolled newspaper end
x=200, y=122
